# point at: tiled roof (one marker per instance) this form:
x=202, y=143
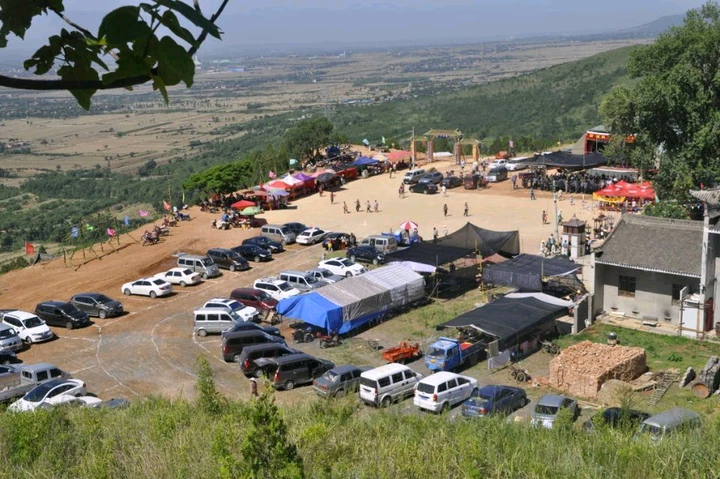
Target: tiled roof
x=654, y=244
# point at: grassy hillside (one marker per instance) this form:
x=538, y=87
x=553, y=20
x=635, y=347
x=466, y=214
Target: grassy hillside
x=555, y=103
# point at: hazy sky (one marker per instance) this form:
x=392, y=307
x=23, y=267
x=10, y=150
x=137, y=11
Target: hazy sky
x=282, y=22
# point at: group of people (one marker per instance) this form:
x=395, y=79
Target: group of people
x=232, y=218
x=570, y=182
x=551, y=246
x=369, y=208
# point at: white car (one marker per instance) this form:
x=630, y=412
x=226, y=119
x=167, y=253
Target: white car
x=342, y=267
x=152, y=287
x=441, y=391
x=181, y=276
x=276, y=288
x=310, y=236
x=70, y=400
x=28, y=326
x=517, y=164
x=48, y=393
x=496, y=163
x=247, y=313
x=325, y=275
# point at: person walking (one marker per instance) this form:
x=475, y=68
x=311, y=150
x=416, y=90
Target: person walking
x=445, y=209
x=444, y=190
x=559, y=217
x=435, y=234
x=377, y=207
x=532, y=193
x=332, y=197
x=320, y=190
x=357, y=206
x=544, y=217
x=514, y=181
x=368, y=208
x=466, y=210
x=345, y=208
x=401, y=190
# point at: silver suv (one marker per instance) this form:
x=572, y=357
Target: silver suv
x=303, y=281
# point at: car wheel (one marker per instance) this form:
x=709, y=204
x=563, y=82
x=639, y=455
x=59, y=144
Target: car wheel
x=204, y=276
x=256, y=259
x=232, y=268
x=353, y=258
x=258, y=373
x=385, y=401
x=375, y=261
x=68, y=325
x=183, y=283
x=153, y=294
x=102, y=314
x=202, y=333
x=348, y=274
x=339, y=393
x=5, y=362
x=126, y=292
x=289, y=385
x=445, y=407
x=236, y=358
x=425, y=192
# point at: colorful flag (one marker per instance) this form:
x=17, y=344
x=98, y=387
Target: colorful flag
x=127, y=220
x=75, y=231
x=89, y=227
x=110, y=232
x=271, y=174
x=166, y=205
x=143, y=213
x=29, y=248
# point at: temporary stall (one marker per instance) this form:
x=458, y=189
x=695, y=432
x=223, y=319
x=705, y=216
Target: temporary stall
x=405, y=286
x=526, y=271
x=242, y=204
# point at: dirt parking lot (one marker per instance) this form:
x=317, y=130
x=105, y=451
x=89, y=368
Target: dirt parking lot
x=151, y=350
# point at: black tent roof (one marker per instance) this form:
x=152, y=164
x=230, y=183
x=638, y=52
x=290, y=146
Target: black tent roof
x=563, y=159
x=525, y=271
x=428, y=253
x=509, y=317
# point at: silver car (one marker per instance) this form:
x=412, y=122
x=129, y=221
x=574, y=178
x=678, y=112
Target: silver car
x=338, y=381
x=9, y=339
x=325, y=275
x=548, y=408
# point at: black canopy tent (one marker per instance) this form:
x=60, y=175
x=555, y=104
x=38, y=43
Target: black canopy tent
x=563, y=159
x=513, y=319
x=429, y=253
x=526, y=271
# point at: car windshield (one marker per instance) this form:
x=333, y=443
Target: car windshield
x=284, y=286
x=426, y=388
x=208, y=262
x=330, y=376
x=346, y=262
x=187, y=272
x=325, y=273
x=546, y=410
x=285, y=230
x=69, y=308
x=102, y=299
x=235, y=316
x=39, y=392
x=159, y=282
x=7, y=333
x=33, y=322
x=263, y=296
x=484, y=395
x=311, y=279
x=233, y=255
x=436, y=352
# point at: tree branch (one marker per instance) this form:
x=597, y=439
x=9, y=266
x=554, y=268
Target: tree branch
x=72, y=24
x=51, y=85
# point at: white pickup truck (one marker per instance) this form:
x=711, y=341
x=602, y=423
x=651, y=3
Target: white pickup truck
x=15, y=381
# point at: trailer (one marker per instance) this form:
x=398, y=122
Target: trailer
x=403, y=353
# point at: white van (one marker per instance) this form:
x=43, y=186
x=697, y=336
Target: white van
x=443, y=390
x=411, y=177
x=199, y=264
x=382, y=243
x=386, y=384
x=280, y=233
x=215, y=320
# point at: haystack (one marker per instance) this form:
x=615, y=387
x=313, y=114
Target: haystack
x=581, y=370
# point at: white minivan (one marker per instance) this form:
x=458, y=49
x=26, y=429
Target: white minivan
x=413, y=176
x=443, y=390
x=386, y=384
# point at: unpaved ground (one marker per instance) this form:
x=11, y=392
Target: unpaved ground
x=151, y=350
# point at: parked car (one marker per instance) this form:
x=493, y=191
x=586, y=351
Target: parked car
x=342, y=267
x=441, y=391
x=268, y=350
x=548, y=408
x=494, y=400
x=265, y=243
x=412, y=176
x=200, y=264
x=517, y=164
x=248, y=326
x=233, y=343
x=28, y=326
x=180, y=276
x=296, y=228
x=325, y=275
x=668, y=422
x=302, y=280
x=48, y=393
x=97, y=304
x=336, y=239
x=386, y=384
x=276, y=288
x=256, y=298
x=498, y=163
x=339, y=381
x=60, y=313
x=280, y=233
x=16, y=381
x=247, y=313
x=615, y=417
x=9, y=339
x=152, y=287
x=228, y=259
x=310, y=236
x=424, y=188
x=286, y=372
x=9, y=357
x=365, y=253
x=451, y=181
x=475, y=181
x=498, y=174
x=252, y=252
x=69, y=400
x=434, y=177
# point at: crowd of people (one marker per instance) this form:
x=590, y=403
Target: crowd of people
x=579, y=182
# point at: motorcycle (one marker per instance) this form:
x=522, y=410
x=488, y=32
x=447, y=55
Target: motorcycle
x=327, y=341
x=303, y=336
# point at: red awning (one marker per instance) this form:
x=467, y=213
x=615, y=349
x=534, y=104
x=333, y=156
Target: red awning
x=242, y=204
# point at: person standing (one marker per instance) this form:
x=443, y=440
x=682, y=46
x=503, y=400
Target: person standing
x=320, y=190
x=466, y=210
x=400, y=190
x=444, y=190
x=445, y=209
x=377, y=207
x=332, y=197
x=514, y=181
x=345, y=208
x=445, y=231
x=357, y=206
x=544, y=217
x=435, y=234
x=368, y=208
x=532, y=193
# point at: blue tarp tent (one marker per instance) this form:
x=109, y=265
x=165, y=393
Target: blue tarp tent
x=364, y=161
x=313, y=309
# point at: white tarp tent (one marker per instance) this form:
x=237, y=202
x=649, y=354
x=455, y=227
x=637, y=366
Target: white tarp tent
x=405, y=286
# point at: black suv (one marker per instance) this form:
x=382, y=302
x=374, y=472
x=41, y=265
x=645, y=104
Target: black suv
x=269, y=350
x=228, y=259
x=96, y=304
x=365, y=253
x=296, y=228
x=265, y=243
x=59, y=313
x=250, y=326
x=253, y=252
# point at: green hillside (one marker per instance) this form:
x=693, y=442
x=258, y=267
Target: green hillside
x=555, y=103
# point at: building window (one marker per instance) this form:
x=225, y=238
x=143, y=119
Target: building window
x=626, y=286
x=676, y=292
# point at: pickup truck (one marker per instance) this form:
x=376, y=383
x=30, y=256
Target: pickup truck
x=15, y=381
x=448, y=354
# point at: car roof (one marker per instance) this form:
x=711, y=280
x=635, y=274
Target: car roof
x=382, y=371
x=221, y=250
x=497, y=388
x=552, y=400
x=247, y=291
x=179, y=268
x=53, y=303
x=671, y=417
x=345, y=368
x=211, y=310
x=259, y=347
x=39, y=366
x=22, y=314
x=270, y=280
x=440, y=377
x=92, y=295
x=221, y=300
x=293, y=357
x=310, y=230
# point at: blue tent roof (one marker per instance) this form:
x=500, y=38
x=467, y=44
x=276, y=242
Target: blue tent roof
x=313, y=309
x=364, y=160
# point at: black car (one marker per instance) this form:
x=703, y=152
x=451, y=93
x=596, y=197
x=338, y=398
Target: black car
x=433, y=177
x=250, y=326
x=424, y=188
x=96, y=304
x=365, y=253
x=265, y=243
x=59, y=313
x=336, y=239
x=252, y=252
x=296, y=228
x=615, y=418
x=451, y=182
x=228, y=259
x=8, y=357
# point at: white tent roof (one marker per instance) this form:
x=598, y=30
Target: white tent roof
x=404, y=284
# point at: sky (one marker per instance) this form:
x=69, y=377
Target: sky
x=345, y=23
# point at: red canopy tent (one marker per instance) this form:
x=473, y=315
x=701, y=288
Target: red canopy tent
x=242, y=204
x=280, y=185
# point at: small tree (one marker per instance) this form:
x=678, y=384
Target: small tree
x=209, y=399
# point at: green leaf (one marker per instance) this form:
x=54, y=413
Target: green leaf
x=170, y=21
x=174, y=63
x=80, y=73
x=192, y=15
x=122, y=26
x=128, y=66
x=158, y=84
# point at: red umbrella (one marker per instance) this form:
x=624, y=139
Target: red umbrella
x=242, y=204
x=408, y=225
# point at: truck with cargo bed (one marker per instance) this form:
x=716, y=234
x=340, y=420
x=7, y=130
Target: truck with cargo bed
x=15, y=381
x=448, y=354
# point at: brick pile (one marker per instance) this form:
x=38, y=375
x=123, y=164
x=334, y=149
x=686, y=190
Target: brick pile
x=581, y=369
